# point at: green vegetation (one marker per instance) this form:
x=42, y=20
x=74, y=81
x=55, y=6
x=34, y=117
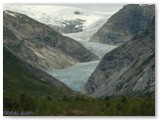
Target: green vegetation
x=79, y=105
x=18, y=79
x=23, y=92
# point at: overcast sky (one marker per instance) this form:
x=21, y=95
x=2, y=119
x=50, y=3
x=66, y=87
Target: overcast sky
x=93, y=7
x=98, y=7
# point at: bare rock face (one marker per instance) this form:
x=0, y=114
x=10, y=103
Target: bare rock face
x=70, y=26
x=127, y=70
x=9, y=55
x=40, y=45
x=125, y=24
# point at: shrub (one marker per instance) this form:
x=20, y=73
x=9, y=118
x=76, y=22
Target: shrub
x=106, y=98
x=65, y=98
x=48, y=98
x=108, y=104
x=10, y=104
x=27, y=103
x=119, y=106
x=124, y=99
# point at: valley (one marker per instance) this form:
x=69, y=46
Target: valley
x=58, y=64
x=75, y=76
x=63, y=60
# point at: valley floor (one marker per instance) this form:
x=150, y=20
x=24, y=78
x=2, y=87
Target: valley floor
x=77, y=106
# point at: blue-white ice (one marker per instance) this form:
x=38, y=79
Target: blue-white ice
x=75, y=76
x=98, y=48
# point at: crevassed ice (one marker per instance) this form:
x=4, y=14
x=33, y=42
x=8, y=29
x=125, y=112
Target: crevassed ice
x=76, y=76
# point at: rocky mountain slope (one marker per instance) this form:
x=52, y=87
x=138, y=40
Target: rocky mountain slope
x=20, y=77
x=61, y=18
x=40, y=45
x=125, y=24
x=127, y=70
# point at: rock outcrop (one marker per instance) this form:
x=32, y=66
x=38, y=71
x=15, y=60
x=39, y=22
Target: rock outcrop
x=40, y=45
x=127, y=70
x=125, y=24
x=19, y=73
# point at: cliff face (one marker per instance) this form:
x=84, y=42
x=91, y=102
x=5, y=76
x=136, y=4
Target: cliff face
x=40, y=45
x=20, y=76
x=125, y=24
x=127, y=70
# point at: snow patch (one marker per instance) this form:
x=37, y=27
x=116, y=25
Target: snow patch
x=10, y=14
x=63, y=25
x=76, y=26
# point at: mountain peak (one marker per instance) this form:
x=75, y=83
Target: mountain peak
x=125, y=24
x=40, y=45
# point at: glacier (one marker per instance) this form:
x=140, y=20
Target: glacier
x=75, y=76
x=57, y=15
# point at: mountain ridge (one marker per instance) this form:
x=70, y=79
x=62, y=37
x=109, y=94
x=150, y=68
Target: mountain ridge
x=119, y=28
x=33, y=76
x=43, y=46
x=121, y=70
